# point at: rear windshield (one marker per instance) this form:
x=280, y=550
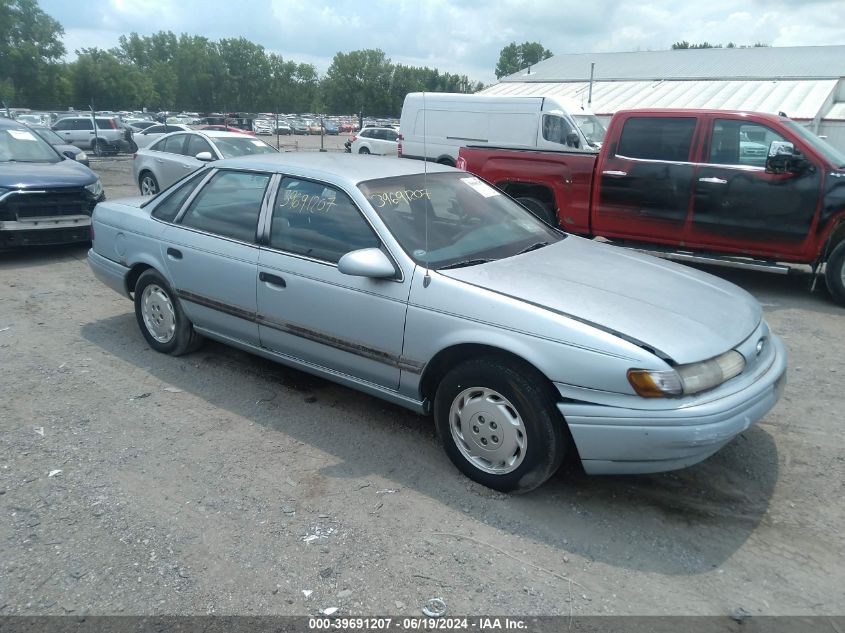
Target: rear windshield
x=232, y=147
x=24, y=146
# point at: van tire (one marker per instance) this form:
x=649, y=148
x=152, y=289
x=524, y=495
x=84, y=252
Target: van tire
x=539, y=209
x=835, y=273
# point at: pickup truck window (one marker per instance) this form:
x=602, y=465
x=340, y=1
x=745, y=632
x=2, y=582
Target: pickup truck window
x=835, y=156
x=657, y=138
x=736, y=142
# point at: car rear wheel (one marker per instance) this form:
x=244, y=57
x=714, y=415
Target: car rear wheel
x=835, y=273
x=539, y=209
x=148, y=184
x=363, y=150
x=160, y=316
x=499, y=424
x=101, y=147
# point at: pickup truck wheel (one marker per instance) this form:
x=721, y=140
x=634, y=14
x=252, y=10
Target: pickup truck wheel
x=160, y=316
x=499, y=425
x=835, y=273
x=539, y=209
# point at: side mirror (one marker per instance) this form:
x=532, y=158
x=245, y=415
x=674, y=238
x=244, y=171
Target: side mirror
x=69, y=154
x=573, y=140
x=367, y=262
x=205, y=157
x=783, y=159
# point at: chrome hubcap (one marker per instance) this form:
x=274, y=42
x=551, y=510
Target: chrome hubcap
x=157, y=311
x=488, y=430
x=148, y=186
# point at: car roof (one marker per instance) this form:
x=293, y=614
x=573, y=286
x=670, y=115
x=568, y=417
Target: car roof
x=336, y=167
x=11, y=124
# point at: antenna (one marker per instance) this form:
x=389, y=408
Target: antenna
x=427, y=278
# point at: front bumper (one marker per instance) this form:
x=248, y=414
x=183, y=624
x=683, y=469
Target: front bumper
x=42, y=231
x=109, y=272
x=617, y=440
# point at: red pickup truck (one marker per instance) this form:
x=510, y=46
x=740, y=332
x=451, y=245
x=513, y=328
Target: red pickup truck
x=740, y=189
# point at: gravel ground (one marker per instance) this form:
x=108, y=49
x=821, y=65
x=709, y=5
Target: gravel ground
x=137, y=483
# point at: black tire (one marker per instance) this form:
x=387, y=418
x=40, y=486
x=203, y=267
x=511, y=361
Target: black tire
x=363, y=150
x=148, y=181
x=545, y=436
x=100, y=147
x=835, y=273
x=184, y=339
x=538, y=208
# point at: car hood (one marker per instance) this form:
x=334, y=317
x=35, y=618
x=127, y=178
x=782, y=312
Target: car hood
x=65, y=173
x=679, y=312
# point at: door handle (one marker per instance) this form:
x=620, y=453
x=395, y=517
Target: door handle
x=713, y=181
x=173, y=253
x=614, y=173
x=272, y=280
x=159, y=160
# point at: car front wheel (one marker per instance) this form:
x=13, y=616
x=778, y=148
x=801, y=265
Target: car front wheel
x=499, y=424
x=160, y=316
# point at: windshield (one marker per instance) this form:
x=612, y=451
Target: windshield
x=49, y=135
x=452, y=219
x=824, y=148
x=590, y=127
x=231, y=147
x=23, y=146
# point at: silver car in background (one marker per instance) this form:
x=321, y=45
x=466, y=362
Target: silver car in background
x=175, y=155
x=434, y=291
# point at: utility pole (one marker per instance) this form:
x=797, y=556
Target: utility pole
x=97, y=150
x=322, y=134
x=590, y=93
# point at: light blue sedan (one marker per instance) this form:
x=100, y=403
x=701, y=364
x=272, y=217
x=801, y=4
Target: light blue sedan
x=427, y=287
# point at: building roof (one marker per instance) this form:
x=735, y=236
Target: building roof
x=798, y=99
x=792, y=62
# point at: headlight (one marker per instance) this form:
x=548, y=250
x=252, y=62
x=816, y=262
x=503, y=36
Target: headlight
x=95, y=188
x=82, y=156
x=687, y=379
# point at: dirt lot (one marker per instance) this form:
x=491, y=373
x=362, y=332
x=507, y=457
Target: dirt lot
x=137, y=483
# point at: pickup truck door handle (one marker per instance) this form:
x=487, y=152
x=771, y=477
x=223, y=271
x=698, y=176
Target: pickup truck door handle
x=274, y=281
x=173, y=253
x=614, y=173
x=714, y=181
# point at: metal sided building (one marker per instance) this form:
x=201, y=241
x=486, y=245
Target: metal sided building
x=807, y=83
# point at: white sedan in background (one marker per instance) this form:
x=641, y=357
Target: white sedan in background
x=148, y=136
x=376, y=140
x=175, y=155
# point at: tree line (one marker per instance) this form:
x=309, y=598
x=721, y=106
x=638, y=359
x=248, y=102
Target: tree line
x=165, y=71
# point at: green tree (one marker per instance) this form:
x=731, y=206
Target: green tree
x=358, y=80
x=102, y=78
x=514, y=57
x=30, y=47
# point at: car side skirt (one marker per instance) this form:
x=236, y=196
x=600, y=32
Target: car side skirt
x=417, y=406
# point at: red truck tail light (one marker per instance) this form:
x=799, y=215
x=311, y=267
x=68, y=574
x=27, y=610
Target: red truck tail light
x=113, y=124
x=461, y=163
x=400, y=138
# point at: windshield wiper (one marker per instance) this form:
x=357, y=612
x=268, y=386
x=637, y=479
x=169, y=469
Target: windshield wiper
x=466, y=262
x=533, y=247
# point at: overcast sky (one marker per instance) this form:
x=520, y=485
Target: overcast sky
x=459, y=36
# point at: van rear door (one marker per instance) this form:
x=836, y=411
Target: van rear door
x=643, y=187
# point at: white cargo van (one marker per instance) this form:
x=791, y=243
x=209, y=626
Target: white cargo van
x=435, y=125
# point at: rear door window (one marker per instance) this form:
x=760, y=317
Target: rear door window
x=81, y=124
x=168, y=209
x=229, y=205
x=657, y=138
